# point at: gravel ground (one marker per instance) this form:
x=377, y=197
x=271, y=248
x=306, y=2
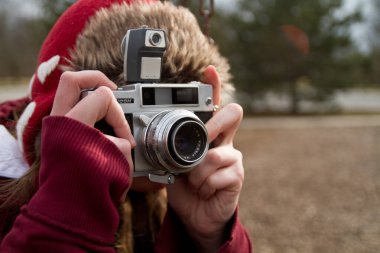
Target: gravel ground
x=311, y=188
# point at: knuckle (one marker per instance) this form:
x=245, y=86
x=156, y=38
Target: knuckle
x=215, y=156
x=98, y=73
x=240, y=185
x=125, y=146
x=239, y=154
x=240, y=173
x=236, y=109
x=67, y=77
x=238, y=178
x=209, y=183
x=104, y=92
x=239, y=163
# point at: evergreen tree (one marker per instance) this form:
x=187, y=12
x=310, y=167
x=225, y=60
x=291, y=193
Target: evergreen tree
x=375, y=42
x=284, y=45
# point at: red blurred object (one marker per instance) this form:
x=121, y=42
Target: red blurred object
x=297, y=38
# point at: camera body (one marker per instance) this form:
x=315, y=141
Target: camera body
x=166, y=120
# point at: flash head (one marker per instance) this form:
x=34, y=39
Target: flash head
x=143, y=49
x=156, y=39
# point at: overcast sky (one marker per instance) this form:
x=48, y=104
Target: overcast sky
x=360, y=32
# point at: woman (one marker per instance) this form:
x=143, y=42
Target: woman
x=77, y=194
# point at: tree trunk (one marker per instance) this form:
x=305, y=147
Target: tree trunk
x=294, y=98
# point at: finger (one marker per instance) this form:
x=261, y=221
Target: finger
x=225, y=179
x=70, y=86
x=224, y=124
x=102, y=104
x=215, y=159
x=211, y=76
x=126, y=149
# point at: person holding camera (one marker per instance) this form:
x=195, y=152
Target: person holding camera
x=84, y=189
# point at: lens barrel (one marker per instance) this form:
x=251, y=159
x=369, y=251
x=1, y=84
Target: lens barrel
x=187, y=141
x=175, y=141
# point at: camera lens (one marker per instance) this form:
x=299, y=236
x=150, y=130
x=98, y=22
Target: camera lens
x=155, y=39
x=188, y=140
x=175, y=141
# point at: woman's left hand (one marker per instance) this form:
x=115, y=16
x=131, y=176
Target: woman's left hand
x=207, y=198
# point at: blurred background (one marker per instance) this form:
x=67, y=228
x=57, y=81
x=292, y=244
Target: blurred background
x=307, y=73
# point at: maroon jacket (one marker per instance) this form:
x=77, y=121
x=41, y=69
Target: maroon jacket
x=82, y=178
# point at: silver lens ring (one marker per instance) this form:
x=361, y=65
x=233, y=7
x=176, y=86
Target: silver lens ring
x=164, y=130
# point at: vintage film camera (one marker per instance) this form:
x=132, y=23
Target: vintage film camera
x=166, y=120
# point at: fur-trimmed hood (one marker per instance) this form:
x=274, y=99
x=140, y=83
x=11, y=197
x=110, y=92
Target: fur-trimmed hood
x=189, y=51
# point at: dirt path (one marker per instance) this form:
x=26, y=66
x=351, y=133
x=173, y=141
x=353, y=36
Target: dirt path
x=308, y=122
x=311, y=187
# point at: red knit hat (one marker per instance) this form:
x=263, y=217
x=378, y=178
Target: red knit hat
x=54, y=52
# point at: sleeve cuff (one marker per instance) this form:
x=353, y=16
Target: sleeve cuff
x=238, y=239
x=174, y=238
x=82, y=178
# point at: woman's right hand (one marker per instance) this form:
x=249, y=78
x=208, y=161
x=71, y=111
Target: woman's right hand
x=101, y=104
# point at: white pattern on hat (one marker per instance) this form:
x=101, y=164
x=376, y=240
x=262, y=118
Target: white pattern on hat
x=12, y=163
x=22, y=122
x=46, y=68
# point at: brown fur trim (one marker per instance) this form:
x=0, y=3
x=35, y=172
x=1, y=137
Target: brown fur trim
x=124, y=235
x=148, y=211
x=189, y=52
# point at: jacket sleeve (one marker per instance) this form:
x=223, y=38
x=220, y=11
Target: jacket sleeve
x=82, y=178
x=173, y=237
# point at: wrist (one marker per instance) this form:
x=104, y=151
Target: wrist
x=209, y=241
